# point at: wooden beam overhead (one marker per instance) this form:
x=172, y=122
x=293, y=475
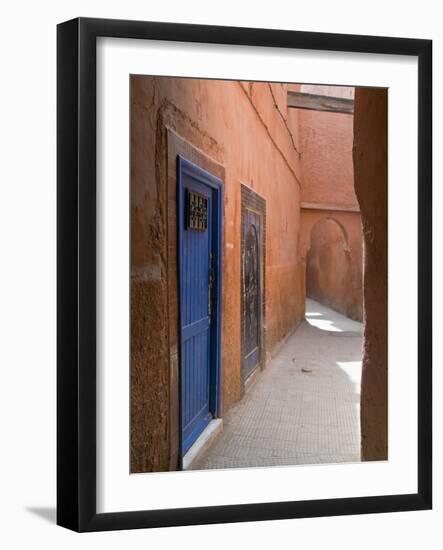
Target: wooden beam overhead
x=313, y=102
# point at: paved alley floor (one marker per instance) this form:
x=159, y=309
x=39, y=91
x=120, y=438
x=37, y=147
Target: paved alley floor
x=304, y=408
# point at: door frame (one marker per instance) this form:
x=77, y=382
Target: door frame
x=185, y=166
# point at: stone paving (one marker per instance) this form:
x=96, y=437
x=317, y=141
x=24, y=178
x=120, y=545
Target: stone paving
x=304, y=408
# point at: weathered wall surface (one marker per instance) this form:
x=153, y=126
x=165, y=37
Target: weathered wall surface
x=331, y=250
x=246, y=128
x=334, y=262
x=326, y=147
x=370, y=165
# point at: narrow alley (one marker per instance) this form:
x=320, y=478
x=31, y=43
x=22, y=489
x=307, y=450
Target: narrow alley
x=304, y=408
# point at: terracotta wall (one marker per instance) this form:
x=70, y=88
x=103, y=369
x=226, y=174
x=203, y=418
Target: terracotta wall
x=371, y=180
x=334, y=260
x=326, y=147
x=331, y=237
x=247, y=129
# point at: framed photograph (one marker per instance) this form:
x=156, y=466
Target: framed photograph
x=244, y=274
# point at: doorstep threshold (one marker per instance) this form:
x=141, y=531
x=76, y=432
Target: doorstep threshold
x=203, y=442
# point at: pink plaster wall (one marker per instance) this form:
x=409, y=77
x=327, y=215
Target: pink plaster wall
x=334, y=262
x=334, y=268
x=247, y=129
x=326, y=149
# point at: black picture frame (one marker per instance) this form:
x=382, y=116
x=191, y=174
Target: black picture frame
x=76, y=280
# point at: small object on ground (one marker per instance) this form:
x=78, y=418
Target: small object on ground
x=304, y=369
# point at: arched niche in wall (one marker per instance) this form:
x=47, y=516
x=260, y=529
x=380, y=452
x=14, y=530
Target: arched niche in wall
x=328, y=265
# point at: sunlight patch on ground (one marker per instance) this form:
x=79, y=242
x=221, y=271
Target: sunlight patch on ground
x=352, y=369
x=304, y=408
x=323, y=324
x=324, y=318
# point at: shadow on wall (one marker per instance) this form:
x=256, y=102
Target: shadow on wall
x=330, y=277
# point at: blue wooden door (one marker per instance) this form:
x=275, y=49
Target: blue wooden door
x=252, y=290
x=199, y=239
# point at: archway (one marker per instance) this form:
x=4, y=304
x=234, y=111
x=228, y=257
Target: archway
x=332, y=276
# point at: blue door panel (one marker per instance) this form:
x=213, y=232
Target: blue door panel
x=198, y=337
